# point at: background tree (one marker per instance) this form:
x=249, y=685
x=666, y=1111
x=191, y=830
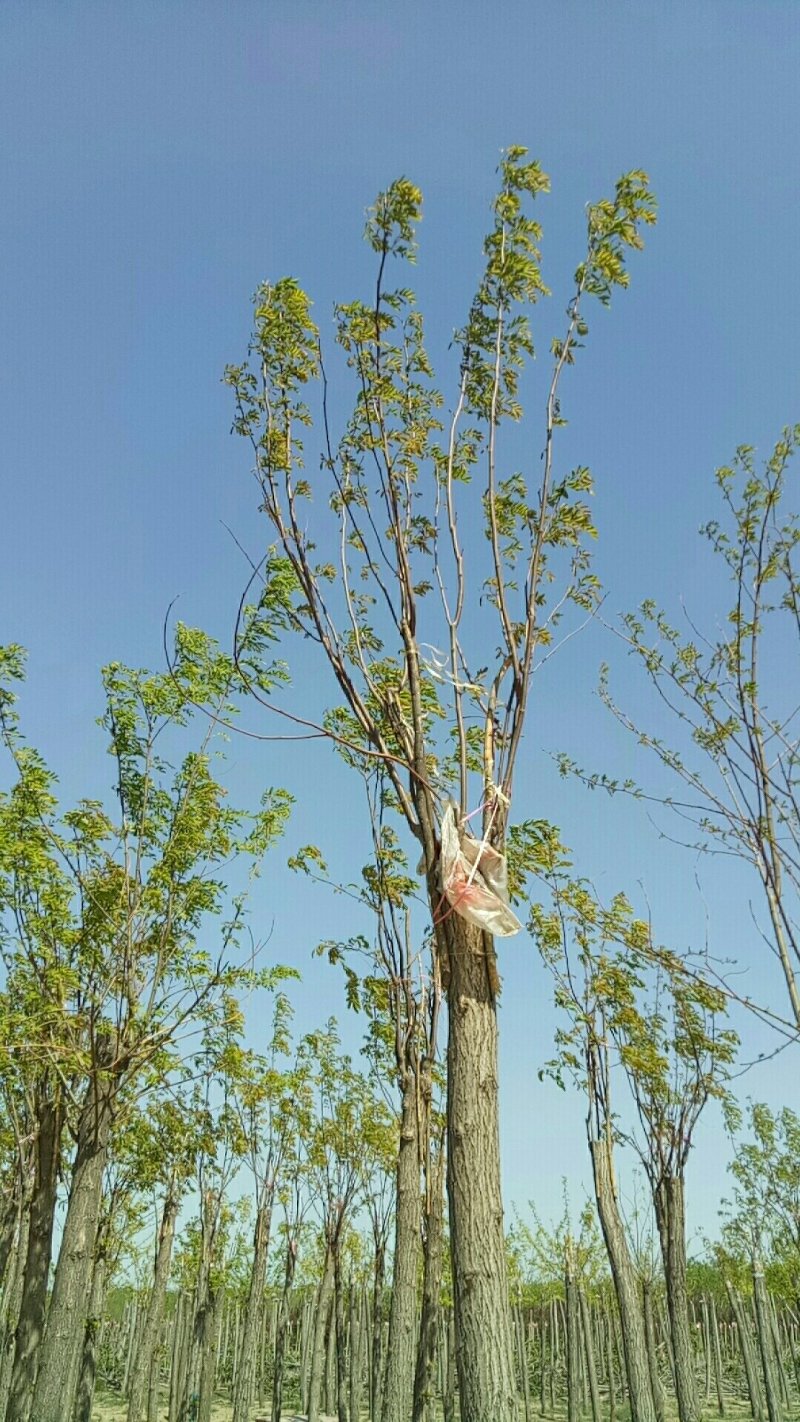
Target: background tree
x=729, y=694
x=99, y=926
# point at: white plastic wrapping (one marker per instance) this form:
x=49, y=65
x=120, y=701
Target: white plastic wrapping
x=475, y=879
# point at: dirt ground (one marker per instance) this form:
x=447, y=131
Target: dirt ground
x=110, y=1409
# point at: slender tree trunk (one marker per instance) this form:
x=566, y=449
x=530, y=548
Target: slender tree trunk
x=588, y=1351
x=208, y=1358
x=9, y=1229
x=376, y=1351
x=623, y=1273
x=671, y=1220
x=611, y=1372
x=716, y=1355
x=778, y=1346
x=282, y=1329
x=57, y=1377
x=431, y=1288
x=573, y=1337
x=12, y=1302
x=355, y=1358
x=87, y=1376
x=320, y=1332
x=652, y=1351
x=33, y=1303
x=749, y=1359
x=177, y=1358
x=341, y=1352
x=401, y=1346
x=522, y=1353
x=140, y=1376
x=765, y=1344
x=203, y=1323
x=480, y=1284
x=449, y=1398
x=244, y=1373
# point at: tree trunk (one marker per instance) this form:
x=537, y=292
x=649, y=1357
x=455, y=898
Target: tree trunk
x=245, y=1371
x=318, y=1345
x=588, y=1351
x=765, y=1343
x=12, y=1302
x=56, y=1381
x=177, y=1356
x=522, y=1352
x=716, y=1355
x=376, y=1350
x=208, y=1358
x=33, y=1303
x=626, y=1288
x=282, y=1329
x=652, y=1351
x=203, y=1321
x=431, y=1289
x=87, y=1375
x=140, y=1377
x=9, y=1226
x=484, y=1358
x=748, y=1354
x=401, y=1346
x=449, y=1398
x=341, y=1352
x=573, y=1337
x=611, y=1372
x=671, y=1220
x=355, y=1357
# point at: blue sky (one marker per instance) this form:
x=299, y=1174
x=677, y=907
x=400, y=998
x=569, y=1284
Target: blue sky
x=162, y=159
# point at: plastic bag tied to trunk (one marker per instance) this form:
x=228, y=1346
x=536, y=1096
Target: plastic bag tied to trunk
x=475, y=879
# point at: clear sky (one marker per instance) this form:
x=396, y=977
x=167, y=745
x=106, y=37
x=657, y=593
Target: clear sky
x=159, y=160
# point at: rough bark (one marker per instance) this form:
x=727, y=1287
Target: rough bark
x=87, y=1374
x=671, y=1220
x=33, y=1302
x=245, y=1371
x=140, y=1375
x=626, y=1288
x=431, y=1289
x=484, y=1358
x=57, y=1377
x=9, y=1224
x=12, y=1301
x=402, y=1341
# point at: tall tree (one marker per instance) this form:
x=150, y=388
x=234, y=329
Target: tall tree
x=384, y=581
x=114, y=956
